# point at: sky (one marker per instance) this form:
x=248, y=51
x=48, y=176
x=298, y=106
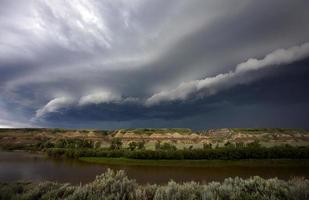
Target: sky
x=111, y=64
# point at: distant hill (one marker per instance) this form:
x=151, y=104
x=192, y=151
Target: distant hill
x=180, y=137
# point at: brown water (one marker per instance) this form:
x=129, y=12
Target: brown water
x=36, y=167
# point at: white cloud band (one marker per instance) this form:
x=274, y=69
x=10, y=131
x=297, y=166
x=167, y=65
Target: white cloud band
x=212, y=85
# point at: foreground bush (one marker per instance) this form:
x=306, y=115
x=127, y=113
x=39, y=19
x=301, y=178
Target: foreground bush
x=116, y=185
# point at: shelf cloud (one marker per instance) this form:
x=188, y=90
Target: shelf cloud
x=54, y=105
x=212, y=85
x=109, y=64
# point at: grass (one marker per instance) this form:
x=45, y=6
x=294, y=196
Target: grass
x=198, y=163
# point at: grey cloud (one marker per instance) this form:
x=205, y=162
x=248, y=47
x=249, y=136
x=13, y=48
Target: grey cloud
x=54, y=105
x=219, y=82
x=132, y=49
x=99, y=97
x=11, y=116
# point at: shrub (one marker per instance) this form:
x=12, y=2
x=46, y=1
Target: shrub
x=116, y=143
x=132, y=146
x=73, y=143
x=207, y=146
x=97, y=144
x=116, y=185
x=157, y=145
x=141, y=145
x=110, y=185
x=168, y=147
x=168, y=151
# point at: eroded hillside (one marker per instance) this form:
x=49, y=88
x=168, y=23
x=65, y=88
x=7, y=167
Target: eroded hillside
x=181, y=138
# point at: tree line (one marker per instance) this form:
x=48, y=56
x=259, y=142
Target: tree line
x=220, y=153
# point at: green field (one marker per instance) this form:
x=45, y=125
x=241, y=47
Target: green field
x=198, y=163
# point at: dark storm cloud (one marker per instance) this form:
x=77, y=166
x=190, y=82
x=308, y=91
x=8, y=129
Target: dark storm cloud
x=263, y=102
x=93, y=62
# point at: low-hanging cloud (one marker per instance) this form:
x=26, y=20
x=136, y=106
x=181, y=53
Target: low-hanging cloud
x=96, y=98
x=208, y=86
x=100, y=97
x=212, y=85
x=54, y=105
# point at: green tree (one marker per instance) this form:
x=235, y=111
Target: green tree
x=132, y=146
x=240, y=145
x=60, y=143
x=229, y=144
x=207, y=146
x=255, y=144
x=158, y=145
x=97, y=144
x=116, y=143
x=168, y=147
x=141, y=145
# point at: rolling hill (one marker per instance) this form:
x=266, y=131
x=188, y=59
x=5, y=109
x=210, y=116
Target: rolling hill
x=180, y=137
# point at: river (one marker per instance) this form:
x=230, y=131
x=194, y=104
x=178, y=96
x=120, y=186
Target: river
x=36, y=167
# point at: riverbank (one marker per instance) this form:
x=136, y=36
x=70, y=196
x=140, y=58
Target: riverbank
x=253, y=151
x=199, y=163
